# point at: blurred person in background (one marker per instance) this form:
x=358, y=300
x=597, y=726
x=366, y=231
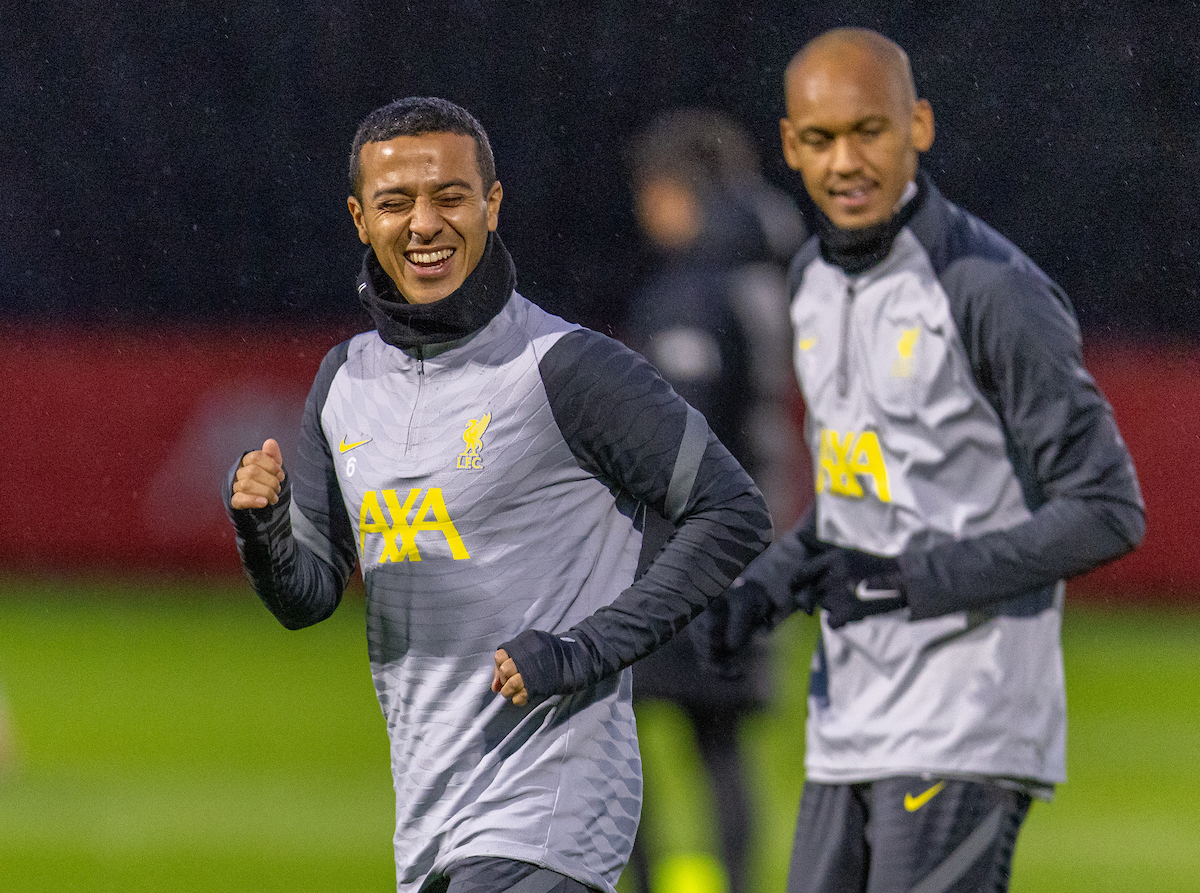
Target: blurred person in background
x=712, y=318
x=966, y=465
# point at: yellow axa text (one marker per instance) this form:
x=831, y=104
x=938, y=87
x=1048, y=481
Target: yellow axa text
x=400, y=534
x=845, y=458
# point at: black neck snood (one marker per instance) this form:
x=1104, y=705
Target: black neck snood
x=464, y=311
x=857, y=250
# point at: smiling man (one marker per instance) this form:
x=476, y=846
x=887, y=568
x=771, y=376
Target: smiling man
x=426, y=211
x=854, y=127
x=966, y=464
x=489, y=467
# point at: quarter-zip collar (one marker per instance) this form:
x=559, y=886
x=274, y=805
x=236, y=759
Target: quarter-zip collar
x=455, y=317
x=857, y=250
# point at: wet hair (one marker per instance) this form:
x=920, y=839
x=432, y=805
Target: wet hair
x=414, y=116
x=704, y=150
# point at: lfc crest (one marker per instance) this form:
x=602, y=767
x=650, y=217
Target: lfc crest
x=473, y=437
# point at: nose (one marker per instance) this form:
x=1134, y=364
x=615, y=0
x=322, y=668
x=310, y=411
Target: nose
x=426, y=222
x=845, y=158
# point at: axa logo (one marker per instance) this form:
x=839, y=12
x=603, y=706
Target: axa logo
x=391, y=519
x=902, y=366
x=473, y=437
x=846, y=459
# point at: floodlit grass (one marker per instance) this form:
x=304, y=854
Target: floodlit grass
x=1129, y=816
x=181, y=740
x=176, y=738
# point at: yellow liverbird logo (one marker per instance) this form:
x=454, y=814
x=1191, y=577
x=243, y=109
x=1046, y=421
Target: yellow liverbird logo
x=473, y=438
x=902, y=367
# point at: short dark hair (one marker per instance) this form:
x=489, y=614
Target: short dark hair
x=705, y=150
x=416, y=115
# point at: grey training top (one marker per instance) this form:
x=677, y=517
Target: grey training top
x=486, y=487
x=952, y=423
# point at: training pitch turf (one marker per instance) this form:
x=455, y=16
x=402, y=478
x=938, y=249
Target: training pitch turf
x=173, y=737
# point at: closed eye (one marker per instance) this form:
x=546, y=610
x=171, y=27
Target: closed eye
x=870, y=128
x=395, y=205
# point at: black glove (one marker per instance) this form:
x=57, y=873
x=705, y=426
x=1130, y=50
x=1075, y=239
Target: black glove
x=851, y=584
x=709, y=632
x=729, y=623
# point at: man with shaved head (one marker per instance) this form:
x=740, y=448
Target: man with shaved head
x=966, y=465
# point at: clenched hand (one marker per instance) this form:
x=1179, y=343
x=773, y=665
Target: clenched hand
x=259, y=479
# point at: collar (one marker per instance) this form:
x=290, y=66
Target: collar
x=857, y=250
x=460, y=314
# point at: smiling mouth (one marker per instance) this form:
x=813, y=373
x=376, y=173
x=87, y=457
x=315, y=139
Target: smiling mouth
x=428, y=258
x=852, y=195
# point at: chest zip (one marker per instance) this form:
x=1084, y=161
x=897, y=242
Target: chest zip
x=843, y=366
x=417, y=401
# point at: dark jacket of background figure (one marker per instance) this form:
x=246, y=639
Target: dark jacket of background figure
x=713, y=320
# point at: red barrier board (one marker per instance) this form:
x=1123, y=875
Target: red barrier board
x=115, y=446
x=1155, y=395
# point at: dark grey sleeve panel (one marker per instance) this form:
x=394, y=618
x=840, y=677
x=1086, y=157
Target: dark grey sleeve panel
x=1023, y=344
x=625, y=424
x=299, y=585
x=296, y=586
x=315, y=489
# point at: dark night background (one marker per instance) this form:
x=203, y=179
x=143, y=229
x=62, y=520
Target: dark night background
x=182, y=162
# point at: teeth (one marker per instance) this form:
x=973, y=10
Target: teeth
x=429, y=257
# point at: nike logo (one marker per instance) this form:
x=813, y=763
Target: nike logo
x=343, y=446
x=867, y=594
x=912, y=804
x=807, y=343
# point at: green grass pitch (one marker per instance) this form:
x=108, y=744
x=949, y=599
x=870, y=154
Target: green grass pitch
x=173, y=737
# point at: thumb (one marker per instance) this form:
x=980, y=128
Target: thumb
x=271, y=448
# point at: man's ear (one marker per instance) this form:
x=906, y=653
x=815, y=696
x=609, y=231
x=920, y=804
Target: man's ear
x=922, y=125
x=791, y=144
x=356, y=212
x=494, y=197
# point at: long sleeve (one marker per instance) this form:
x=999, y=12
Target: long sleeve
x=625, y=424
x=1024, y=345
x=298, y=554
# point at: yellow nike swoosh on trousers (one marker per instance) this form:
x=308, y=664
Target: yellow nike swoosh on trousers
x=912, y=804
x=343, y=446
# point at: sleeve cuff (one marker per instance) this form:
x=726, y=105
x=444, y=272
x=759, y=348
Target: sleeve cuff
x=540, y=658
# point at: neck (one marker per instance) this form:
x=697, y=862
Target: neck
x=858, y=250
x=463, y=312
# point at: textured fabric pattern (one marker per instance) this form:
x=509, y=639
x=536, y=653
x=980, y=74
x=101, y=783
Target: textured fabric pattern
x=906, y=835
x=504, y=876
x=970, y=485
x=475, y=775
x=486, y=487
x=624, y=427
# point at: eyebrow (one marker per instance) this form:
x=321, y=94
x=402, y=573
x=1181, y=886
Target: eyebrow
x=398, y=190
